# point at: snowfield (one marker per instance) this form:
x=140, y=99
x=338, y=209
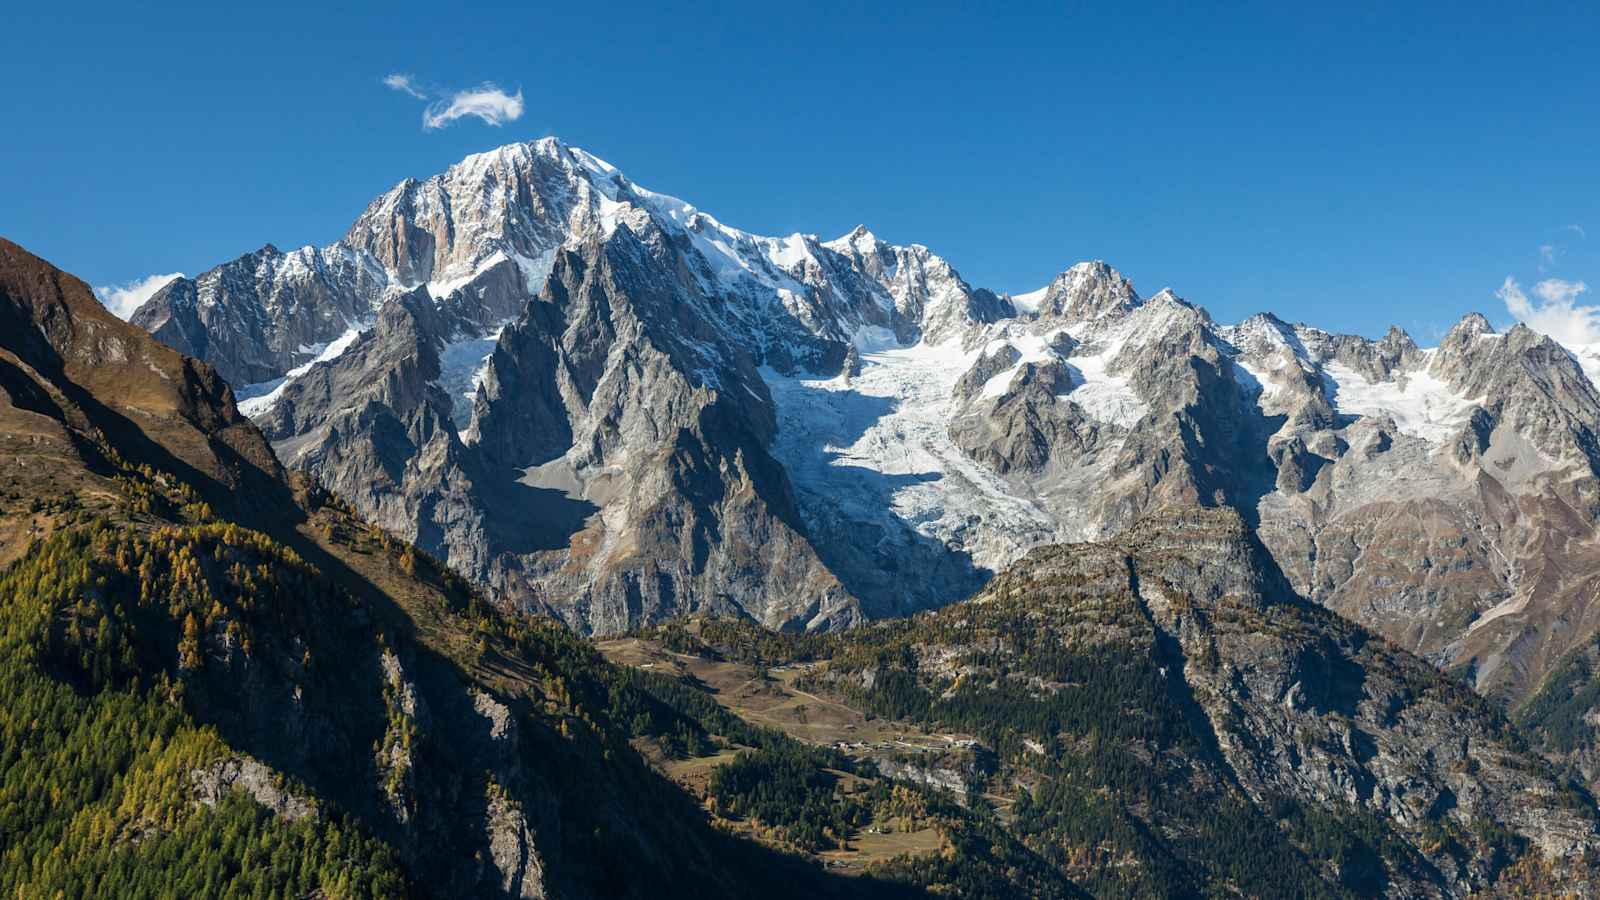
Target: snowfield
x=463, y=361
x=1421, y=405
x=876, y=449
x=1102, y=396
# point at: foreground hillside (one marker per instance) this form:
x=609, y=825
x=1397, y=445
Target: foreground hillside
x=216, y=681
x=1163, y=716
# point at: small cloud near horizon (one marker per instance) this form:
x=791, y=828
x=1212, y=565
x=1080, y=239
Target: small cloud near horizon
x=1557, y=313
x=123, y=299
x=486, y=102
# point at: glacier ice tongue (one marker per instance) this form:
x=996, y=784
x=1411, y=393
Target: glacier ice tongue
x=875, y=448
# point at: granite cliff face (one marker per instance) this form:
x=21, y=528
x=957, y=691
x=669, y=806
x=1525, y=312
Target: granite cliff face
x=598, y=400
x=260, y=315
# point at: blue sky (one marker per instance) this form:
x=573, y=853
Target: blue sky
x=1349, y=168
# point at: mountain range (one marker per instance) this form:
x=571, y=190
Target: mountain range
x=599, y=402
x=217, y=678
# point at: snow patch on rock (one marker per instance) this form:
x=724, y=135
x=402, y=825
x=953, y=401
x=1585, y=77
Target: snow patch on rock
x=463, y=362
x=1103, y=396
x=261, y=397
x=1033, y=348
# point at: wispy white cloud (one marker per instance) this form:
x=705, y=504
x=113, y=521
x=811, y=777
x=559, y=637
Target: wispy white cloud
x=1578, y=230
x=486, y=101
x=1557, y=290
x=1548, y=253
x=405, y=84
x=1557, y=313
x=123, y=299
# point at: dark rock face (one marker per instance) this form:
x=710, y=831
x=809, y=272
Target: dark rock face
x=612, y=396
x=375, y=425
x=987, y=366
x=1088, y=291
x=1024, y=429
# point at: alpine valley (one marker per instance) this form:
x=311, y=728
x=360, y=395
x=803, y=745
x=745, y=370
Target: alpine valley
x=546, y=537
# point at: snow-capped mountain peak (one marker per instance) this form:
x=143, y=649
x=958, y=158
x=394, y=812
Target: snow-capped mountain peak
x=568, y=381
x=858, y=239
x=1471, y=326
x=1088, y=290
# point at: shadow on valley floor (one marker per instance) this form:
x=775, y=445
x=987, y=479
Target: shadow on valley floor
x=521, y=518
